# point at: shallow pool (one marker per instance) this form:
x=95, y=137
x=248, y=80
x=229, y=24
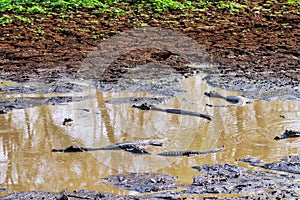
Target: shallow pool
x=27, y=137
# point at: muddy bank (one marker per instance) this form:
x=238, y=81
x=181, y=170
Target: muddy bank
x=268, y=88
x=16, y=95
x=64, y=195
x=143, y=182
x=221, y=180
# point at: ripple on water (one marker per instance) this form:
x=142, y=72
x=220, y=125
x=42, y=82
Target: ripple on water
x=289, y=122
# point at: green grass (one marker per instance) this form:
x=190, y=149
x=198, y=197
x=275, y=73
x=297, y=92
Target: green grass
x=37, y=6
x=11, y=10
x=6, y=19
x=20, y=10
x=231, y=6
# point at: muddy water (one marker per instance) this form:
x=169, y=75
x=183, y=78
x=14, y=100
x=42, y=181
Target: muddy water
x=28, y=135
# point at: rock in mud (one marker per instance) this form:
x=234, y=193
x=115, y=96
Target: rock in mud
x=67, y=121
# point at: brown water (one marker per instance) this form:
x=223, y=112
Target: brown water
x=27, y=137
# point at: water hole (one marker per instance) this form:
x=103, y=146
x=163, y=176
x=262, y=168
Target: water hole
x=28, y=135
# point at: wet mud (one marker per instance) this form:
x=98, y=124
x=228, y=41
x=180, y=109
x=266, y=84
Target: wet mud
x=64, y=195
x=231, y=179
x=164, y=58
x=290, y=164
x=268, y=89
x=143, y=182
x=9, y=104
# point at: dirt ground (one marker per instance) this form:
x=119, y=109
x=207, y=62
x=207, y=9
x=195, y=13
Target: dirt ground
x=254, y=43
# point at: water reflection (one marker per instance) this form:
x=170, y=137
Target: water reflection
x=27, y=137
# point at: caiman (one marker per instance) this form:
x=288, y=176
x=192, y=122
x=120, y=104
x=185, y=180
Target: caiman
x=288, y=134
x=135, y=146
x=73, y=149
x=189, y=153
x=146, y=106
x=234, y=100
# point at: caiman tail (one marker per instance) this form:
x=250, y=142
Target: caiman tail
x=189, y=153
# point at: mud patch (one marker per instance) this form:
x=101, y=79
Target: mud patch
x=70, y=195
x=265, y=89
x=290, y=164
x=235, y=182
x=143, y=182
x=9, y=104
x=291, y=167
x=40, y=87
x=16, y=95
x=146, y=59
x=230, y=179
x=144, y=56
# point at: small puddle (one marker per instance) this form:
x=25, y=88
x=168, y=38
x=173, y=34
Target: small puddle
x=27, y=137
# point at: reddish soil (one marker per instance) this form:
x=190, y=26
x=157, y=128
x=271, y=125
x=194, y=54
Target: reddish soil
x=141, y=57
x=249, y=42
